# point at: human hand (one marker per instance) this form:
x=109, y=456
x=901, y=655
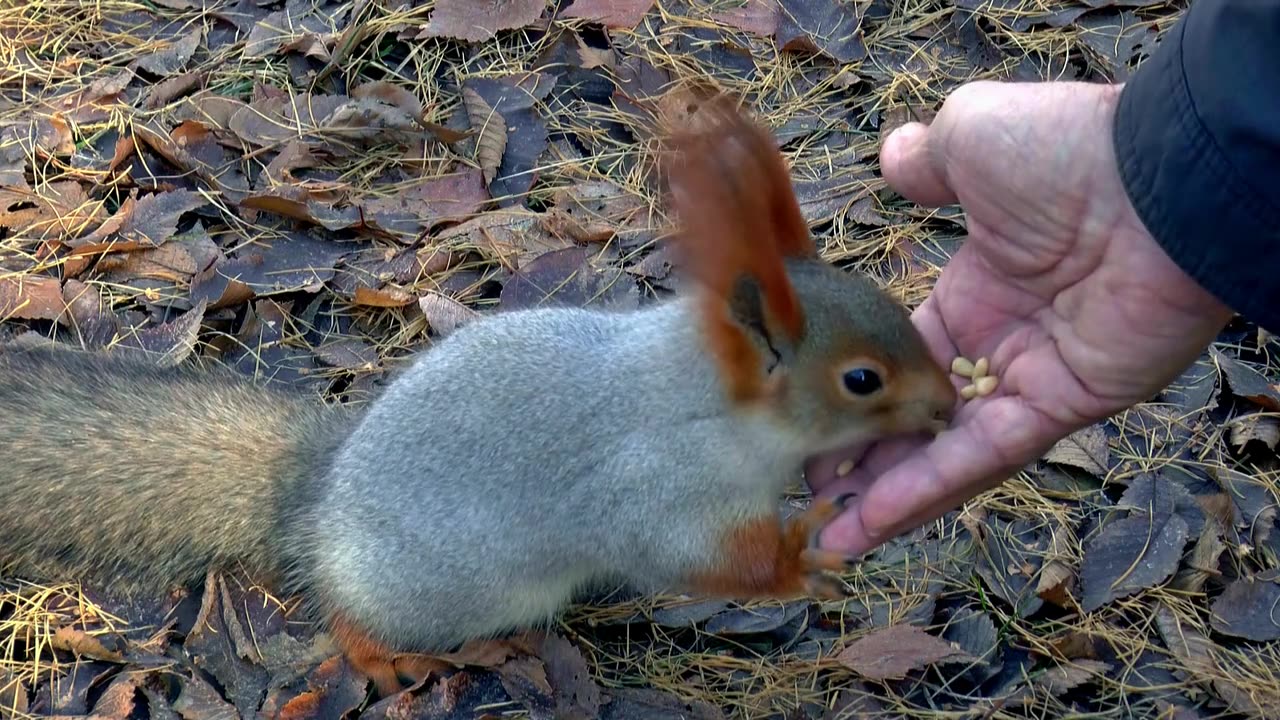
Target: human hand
x=1058, y=283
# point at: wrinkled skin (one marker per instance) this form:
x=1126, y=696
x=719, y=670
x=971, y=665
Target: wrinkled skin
x=1079, y=310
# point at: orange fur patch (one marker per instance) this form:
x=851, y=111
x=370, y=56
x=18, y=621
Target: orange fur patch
x=366, y=655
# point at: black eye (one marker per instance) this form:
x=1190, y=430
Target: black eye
x=861, y=381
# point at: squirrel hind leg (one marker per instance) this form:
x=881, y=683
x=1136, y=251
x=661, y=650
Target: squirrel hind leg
x=367, y=656
x=765, y=558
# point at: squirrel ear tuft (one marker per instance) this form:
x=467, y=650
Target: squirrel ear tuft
x=739, y=219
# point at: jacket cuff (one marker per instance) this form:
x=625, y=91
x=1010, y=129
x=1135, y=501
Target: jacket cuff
x=1208, y=218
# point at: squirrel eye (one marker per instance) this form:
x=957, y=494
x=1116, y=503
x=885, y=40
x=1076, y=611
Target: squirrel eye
x=861, y=381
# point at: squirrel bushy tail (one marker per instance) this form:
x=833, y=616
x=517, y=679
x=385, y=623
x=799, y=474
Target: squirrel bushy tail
x=143, y=477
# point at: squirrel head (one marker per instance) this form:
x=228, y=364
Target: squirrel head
x=828, y=354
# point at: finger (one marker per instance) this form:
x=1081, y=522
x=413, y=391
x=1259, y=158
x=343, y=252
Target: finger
x=913, y=168
x=1000, y=437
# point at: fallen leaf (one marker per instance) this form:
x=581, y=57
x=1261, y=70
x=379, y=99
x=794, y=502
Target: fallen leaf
x=53, y=211
x=1246, y=382
x=13, y=693
x=830, y=27
x=891, y=652
x=173, y=341
x=149, y=222
x=269, y=265
x=1202, y=663
x=387, y=297
x=77, y=641
x=1068, y=676
x=477, y=20
x=688, y=614
x=759, y=17
x=31, y=297
x=569, y=277
x=1195, y=388
x=754, y=620
x=974, y=633
x=117, y=700
x=1255, y=427
x=308, y=28
x=491, y=133
x=610, y=13
x=1117, y=39
x=512, y=238
x=166, y=91
x=1205, y=559
x=348, y=354
x=1129, y=555
x=647, y=704
x=1086, y=449
x=444, y=314
x=514, y=97
x=1010, y=556
x=1248, y=608
x=92, y=103
x=574, y=691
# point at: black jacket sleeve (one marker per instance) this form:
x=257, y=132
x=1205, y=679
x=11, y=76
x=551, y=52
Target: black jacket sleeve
x=1197, y=137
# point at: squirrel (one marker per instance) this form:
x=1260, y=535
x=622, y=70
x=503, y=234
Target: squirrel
x=525, y=456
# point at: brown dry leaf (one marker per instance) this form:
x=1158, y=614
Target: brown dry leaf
x=77, y=641
x=293, y=156
x=94, y=102
x=573, y=276
x=173, y=342
x=427, y=203
x=759, y=17
x=300, y=27
x=574, y=690
x=1248, y=608
x=348, y=354
x=1130, y=555
x=510, y=237
x=31, y=297
x=117, y=701
x=390, y=94
x=1204, y=561
x=1086, y=449
x=1259, y=427
x=61, y=209
x=296, y=202
x=1198, y=657
x=491, y=133
x=1246, y=382
x=477, y=20
x=13, y=693
x=444, y=314
x=387, y=297
x=1061, y=678
x=192, y=147
x=489, y=653
x=891, y=652
x=610, y=13
x=830, y=27
x=149, y=222
x=169, y=89
x=515, y=97
x=1057, y=576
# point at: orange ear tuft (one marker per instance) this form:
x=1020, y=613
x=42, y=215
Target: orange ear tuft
x=732, y=194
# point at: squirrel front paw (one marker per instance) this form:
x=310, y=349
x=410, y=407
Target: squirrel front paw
x=767, y=558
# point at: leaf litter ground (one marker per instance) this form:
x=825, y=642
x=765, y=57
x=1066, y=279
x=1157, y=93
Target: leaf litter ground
x=311, y=191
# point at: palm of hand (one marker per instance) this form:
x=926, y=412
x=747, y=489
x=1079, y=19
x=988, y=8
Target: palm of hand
x=1060, y=286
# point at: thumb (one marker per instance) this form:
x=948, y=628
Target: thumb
x=912, y=169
